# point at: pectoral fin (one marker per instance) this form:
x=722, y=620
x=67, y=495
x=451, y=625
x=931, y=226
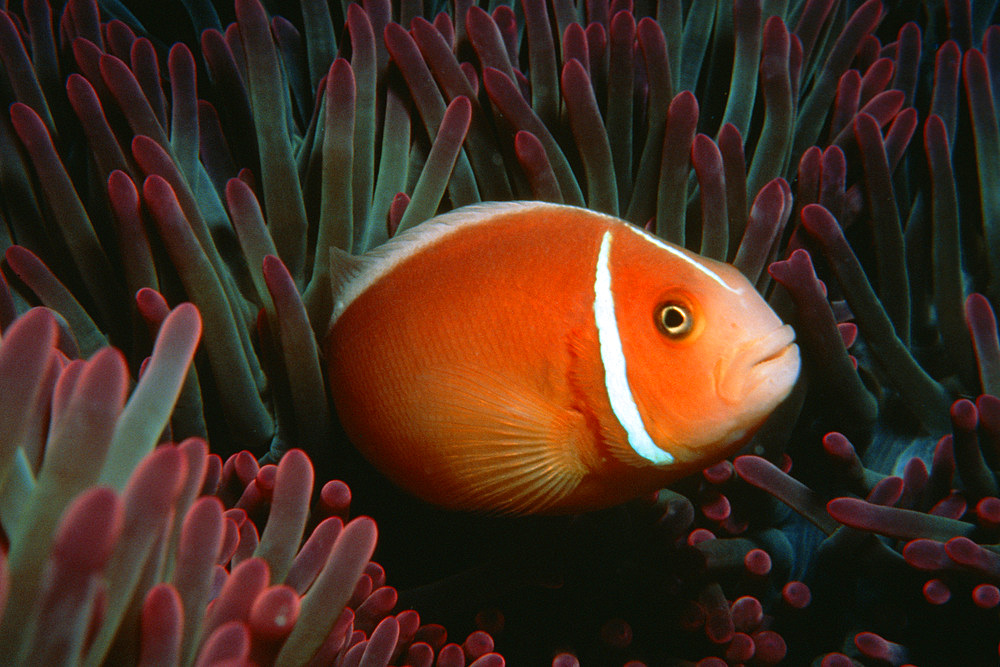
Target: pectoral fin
x=510, y=447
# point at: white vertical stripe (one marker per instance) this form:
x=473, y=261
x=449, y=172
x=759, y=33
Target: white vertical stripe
x=613, y=358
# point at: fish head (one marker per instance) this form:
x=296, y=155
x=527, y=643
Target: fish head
x=708, y=359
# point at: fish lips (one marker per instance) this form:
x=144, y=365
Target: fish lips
x=762, y=371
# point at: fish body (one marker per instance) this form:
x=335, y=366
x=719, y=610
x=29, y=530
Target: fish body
x=529, y=357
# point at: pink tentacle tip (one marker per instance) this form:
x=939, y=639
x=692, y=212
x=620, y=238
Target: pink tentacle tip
x=796, y=595
x=757, y=562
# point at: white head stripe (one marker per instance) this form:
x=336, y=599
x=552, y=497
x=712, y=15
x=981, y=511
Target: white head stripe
x=682, y=256
x=613, y=358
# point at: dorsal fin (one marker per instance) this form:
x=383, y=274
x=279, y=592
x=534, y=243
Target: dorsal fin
x=344, y=270
x=352, y=275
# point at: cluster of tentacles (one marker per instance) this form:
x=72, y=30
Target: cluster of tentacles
x=166, y=565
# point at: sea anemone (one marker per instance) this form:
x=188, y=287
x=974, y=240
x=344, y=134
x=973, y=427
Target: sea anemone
x=127, y=554
x=816, y=144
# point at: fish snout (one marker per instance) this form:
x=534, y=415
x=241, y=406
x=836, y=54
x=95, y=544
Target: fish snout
x=762, y=370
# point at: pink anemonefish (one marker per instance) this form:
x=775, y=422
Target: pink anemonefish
x=534, y=358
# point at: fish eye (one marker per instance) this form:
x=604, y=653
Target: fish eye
x=674, y=320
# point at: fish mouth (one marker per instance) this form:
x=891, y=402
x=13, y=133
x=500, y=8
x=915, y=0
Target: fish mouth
x=775, y=345
x=763, y=370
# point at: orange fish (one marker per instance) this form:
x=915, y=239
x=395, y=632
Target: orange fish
x=534, y=358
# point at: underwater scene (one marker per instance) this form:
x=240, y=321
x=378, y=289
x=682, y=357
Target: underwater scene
x=531, y=332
